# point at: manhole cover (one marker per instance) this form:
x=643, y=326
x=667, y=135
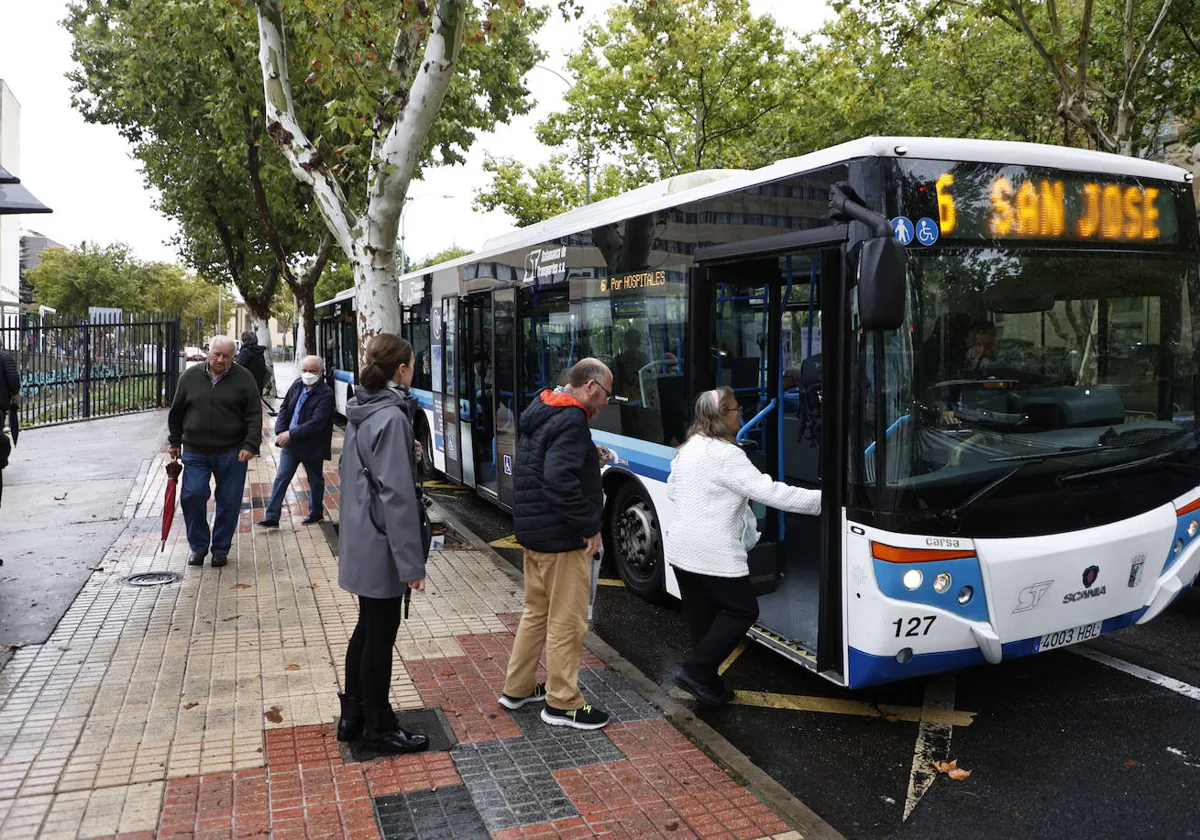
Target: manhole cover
x=153, y=578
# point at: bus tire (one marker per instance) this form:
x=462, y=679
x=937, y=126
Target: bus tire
x=637, y=543
x=426, y=467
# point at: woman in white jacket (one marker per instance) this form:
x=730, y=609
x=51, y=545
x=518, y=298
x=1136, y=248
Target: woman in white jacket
x=710, y=487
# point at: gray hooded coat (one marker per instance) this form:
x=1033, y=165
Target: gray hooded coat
x=371, y=564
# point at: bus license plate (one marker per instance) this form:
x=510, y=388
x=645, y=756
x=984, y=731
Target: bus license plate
x=1070, y=636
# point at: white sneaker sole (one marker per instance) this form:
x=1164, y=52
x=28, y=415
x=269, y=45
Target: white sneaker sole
x=513, y=705
x=555, y=720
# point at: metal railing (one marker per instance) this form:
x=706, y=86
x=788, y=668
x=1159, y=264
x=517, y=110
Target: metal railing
x=75, y=368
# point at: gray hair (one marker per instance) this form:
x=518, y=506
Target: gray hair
x=584, y=371
x=707, y=420
x=317, y=359
x=223, y=339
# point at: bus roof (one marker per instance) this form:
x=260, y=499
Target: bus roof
x=697, y=186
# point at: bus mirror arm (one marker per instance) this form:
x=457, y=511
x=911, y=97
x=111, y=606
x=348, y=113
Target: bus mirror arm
x=881, y=272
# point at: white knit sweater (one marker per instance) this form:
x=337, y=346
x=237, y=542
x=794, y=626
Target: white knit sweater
x=711, y=482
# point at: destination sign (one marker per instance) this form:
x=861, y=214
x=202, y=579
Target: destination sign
x=1005, y=202
x=637, y=280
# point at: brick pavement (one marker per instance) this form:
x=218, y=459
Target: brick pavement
x=205, y=708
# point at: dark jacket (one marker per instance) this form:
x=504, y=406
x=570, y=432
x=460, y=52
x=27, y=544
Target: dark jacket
x=311, y=440
x=251, y=358
x=559, y=498
x=208, y=418
x=379, y=431
x=10, y=380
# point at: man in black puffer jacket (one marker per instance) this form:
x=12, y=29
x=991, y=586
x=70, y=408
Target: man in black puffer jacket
x=252, y=358
x=559, y=501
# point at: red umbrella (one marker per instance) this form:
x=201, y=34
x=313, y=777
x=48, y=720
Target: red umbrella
x=174, y=468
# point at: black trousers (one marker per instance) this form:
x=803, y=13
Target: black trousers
x=718, y=611
x=369, y=654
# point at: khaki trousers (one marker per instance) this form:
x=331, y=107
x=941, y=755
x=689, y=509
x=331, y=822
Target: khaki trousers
x=557, y=590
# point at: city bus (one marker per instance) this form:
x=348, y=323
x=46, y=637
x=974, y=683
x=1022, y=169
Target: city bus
x=983, y=354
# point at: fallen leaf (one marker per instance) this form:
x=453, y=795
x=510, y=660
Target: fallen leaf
x=231, y=618
x=449, y=672
x=273, y=714
x=191, y=705
x=951, y=769
x=672, y=825
x=292, y=667
x=60, y=498
x=240, y=586
x=1130, y=762
x=314, y=586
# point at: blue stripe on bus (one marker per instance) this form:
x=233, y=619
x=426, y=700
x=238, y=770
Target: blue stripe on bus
x=651, y=460
x=963, y=571
x=343, y=375
x=424, y=398
x=865, y=669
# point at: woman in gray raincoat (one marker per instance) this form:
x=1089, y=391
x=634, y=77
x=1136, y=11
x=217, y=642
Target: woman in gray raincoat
x=381, y=553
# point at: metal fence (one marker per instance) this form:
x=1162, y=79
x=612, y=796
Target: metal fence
x=78, y=368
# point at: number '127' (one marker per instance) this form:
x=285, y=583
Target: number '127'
x=914, y=625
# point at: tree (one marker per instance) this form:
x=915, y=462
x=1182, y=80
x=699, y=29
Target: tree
x=444, y=255
x=73, y=279
x=533, y=194
x=1122, y=70
x=177, y=80
x=407, y=80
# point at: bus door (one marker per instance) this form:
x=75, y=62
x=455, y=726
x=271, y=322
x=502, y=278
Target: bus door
x=477, y=410
x=450, y=390
x=769, y=320
x=505, y=388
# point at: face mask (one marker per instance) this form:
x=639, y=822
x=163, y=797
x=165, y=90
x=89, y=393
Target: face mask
x=309, y=378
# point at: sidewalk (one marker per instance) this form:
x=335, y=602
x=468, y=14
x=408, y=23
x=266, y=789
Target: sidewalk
x=204, y=708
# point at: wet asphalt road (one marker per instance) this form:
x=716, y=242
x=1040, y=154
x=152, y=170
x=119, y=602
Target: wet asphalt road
x=1058, y=745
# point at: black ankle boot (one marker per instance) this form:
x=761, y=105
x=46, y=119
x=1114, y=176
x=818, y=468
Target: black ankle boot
x=350, y=724
x=382, y=733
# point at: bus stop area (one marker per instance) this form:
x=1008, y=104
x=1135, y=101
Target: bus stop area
x=172, y=701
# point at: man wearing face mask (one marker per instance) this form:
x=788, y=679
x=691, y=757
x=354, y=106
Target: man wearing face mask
x=303, y=432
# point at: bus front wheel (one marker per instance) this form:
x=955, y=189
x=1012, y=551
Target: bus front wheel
x=637, y=542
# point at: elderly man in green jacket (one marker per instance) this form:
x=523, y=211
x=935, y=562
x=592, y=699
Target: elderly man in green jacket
x=217, y=418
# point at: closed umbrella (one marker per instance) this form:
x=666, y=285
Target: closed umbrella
x=14, y=427
x=173, y=470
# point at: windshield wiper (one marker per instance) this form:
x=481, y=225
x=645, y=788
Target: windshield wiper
x=1163, y=459
x=952, y=514
x=1060, y=453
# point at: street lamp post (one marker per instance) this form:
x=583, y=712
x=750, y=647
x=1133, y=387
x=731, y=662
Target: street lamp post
x=403, y=215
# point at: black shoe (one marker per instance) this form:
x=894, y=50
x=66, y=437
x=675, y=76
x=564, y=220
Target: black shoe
x=350, y=724
x=197, y=558
x=219, y=560
x=382, y=733
x=704, y=694
x=309, y=520
x=722, y=688
x=589, y=717
x=269, y=523
x=510, y=702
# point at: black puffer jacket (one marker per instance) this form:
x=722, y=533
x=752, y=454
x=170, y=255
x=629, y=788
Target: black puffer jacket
x=252, y=359
x=559, y=499
x=10, y=381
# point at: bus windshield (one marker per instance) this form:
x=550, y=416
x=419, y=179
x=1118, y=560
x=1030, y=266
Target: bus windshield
x=1034, y=390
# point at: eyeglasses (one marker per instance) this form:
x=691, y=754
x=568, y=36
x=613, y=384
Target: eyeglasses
x=736, y=408
x=608, y=395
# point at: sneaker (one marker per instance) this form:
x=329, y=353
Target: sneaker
x=197, y=558
x=510, y=702
x=589, y=717
x=269, y=523
x=220, y=559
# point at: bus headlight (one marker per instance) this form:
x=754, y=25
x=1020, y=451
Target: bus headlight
x=942, y=582
x=913, y=578
x=965, y=595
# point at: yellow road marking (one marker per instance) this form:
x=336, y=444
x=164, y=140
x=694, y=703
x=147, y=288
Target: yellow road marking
x=506, y=542
x=837, y=706
x=732, y=657
x=611, y=582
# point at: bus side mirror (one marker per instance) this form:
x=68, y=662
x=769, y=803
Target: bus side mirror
x=881, y=284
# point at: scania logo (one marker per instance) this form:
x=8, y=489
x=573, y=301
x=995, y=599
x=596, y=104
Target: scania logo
x=1090, y=574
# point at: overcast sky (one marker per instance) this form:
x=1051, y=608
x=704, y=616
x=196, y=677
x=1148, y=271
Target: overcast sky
x=86, y=174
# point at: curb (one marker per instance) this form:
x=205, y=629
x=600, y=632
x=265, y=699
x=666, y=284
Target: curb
x=798, y=815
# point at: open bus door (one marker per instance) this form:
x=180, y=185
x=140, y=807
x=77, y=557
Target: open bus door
x=451, y=443
x=760, y=315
